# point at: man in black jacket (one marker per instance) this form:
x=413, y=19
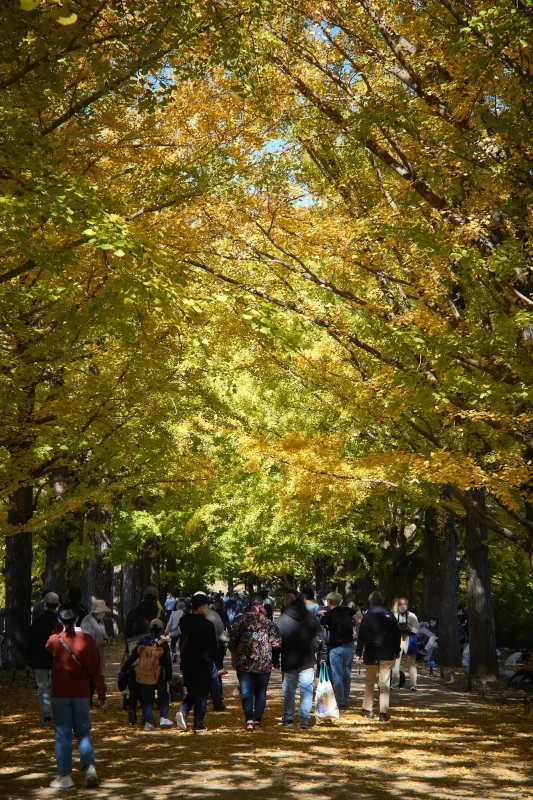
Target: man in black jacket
x=301, y=640
x=38, y=657
x=139, y=618
x=378, y=644
x=339, y=621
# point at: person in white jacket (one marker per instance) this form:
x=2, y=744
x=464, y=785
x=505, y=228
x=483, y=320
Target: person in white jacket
x=408, y=624
x=94, y=625
x=173, y=627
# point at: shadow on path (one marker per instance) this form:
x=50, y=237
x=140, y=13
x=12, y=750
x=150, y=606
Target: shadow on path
x=437, y=745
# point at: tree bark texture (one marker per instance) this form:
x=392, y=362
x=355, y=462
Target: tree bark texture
x=128, y=589
x=481, y=626
x=17, y=574
x=449, y=651
x=430, y=569
x=97, y=575
x=55, y=577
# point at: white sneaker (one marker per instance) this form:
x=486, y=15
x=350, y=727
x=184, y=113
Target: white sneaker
x=148, y=726
x=91, y=778
x=165, y=723
x=181, y=721
x=62, y=782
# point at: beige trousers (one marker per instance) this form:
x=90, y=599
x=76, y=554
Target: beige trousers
x=380, y=671
x=410, y=662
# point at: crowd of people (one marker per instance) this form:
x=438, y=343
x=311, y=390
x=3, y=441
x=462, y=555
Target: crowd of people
x=67, y=645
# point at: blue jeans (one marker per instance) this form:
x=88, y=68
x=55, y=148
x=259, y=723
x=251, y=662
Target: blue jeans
x=147, y=697
x=200, y=708
x=305, y=681
x=341, y=660
x=72, y=714
x=253, y=688
x=216, y=688
x=42, y=679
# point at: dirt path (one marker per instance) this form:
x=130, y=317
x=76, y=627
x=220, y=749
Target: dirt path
x=438, y=745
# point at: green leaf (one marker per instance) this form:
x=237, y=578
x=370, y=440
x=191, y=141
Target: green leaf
x=29, y=5
x=119, y=253
x=106, y=246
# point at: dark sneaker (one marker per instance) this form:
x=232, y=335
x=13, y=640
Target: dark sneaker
x=47, y=720
x=219, y=708
x=203, y=729
x=132, y=717
x=414, y=688
x=287, y=723
x=367, y=714
x=384, y=717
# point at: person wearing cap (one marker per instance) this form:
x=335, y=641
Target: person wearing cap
x=199, y=650
x=93, y=624
x=38, y=657
x=149, y=682
x=339, y=622
x=38, y=608
x=138, y=619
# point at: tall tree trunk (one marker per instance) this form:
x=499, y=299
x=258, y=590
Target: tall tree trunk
x=231, y=585
x=118, y=601
x=481, y=627
x=65, y=531
x=171, y=566
x=449, y=651
x=430, y=569
x=320, y=577
x=17, y=574
x=150, y=570
x=128, y=589
x=97, y=576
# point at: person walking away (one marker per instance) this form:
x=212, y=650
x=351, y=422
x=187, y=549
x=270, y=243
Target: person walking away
x=302, y=640
x=309, y=599
x=169, y=602
x=267, y=605
x=38, y=657
x=153, y=671
x=252, y=639
x=139, y=618
x=38, y=608
x=198, y=644
x=93, y=624
x=76, y=662
x=74, y=596
x=218, y=664
x=408, y=624
x=378, y=645
x=173, y=627
x=338, y=621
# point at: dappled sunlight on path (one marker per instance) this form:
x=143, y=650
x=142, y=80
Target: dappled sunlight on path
x=438, y=745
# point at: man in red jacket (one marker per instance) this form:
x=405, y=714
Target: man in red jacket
x=76, y=663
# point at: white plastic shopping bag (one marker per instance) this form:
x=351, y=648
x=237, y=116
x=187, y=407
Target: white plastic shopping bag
x=325, y=703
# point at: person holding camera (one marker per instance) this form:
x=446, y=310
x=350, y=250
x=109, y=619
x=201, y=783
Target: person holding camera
x=408, y=624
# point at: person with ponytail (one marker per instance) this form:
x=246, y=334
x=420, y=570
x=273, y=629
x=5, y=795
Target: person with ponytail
x=252, y=639
x=76, y=663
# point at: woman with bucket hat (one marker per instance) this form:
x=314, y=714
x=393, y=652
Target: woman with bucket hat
x=93, y=624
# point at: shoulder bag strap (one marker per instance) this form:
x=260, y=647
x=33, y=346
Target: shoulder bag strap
x=73, y=657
